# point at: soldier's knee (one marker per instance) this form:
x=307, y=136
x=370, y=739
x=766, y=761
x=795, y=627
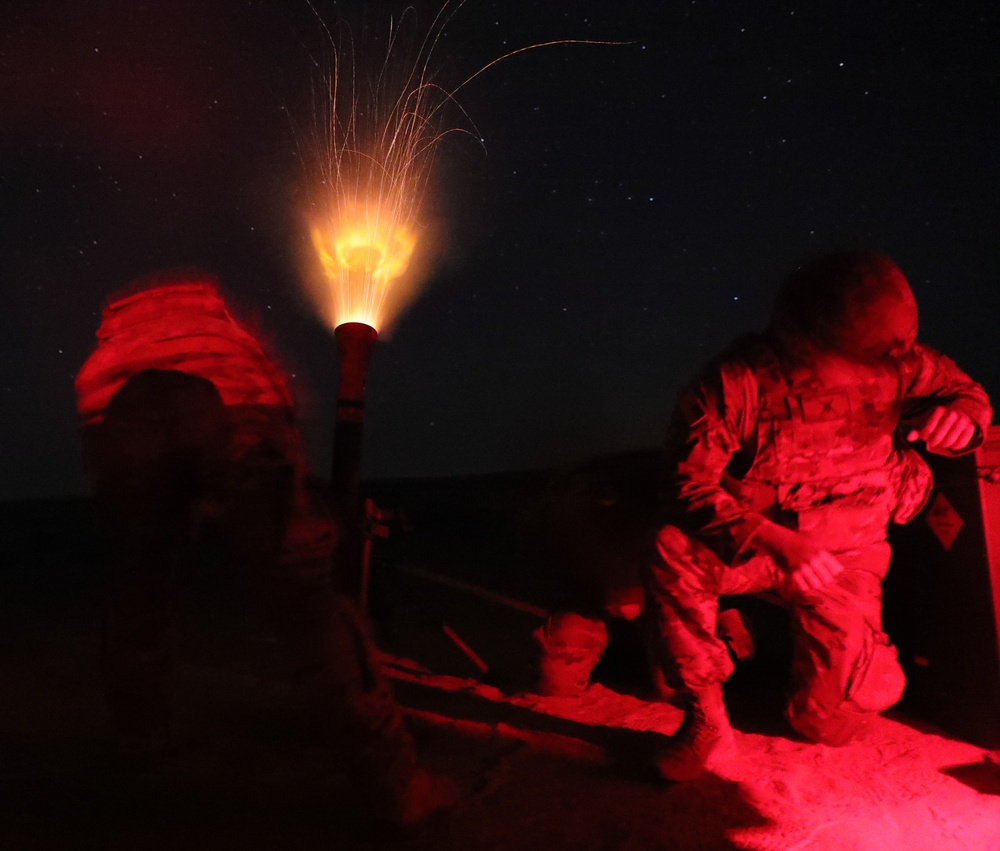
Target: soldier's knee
x=880, y=687
x=824, y=725
x=878, y=680
x=683, y=567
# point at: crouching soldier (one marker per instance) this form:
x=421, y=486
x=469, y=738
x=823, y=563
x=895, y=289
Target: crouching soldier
x=786, y=461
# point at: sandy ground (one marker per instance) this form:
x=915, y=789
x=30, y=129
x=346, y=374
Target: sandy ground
x=535, y=773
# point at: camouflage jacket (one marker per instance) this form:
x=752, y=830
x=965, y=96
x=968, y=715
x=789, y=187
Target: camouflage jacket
x=758, y=436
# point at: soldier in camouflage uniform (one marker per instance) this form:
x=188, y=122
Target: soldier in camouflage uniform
x=185, y=422
x=787, y=460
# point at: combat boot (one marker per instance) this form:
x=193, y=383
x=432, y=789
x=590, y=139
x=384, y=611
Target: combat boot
x=705, y=732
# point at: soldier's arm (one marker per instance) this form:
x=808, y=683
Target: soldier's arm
x=943, y=406
x=713, y=417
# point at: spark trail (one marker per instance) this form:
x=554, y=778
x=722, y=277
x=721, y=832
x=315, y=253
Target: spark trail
x=377, y=133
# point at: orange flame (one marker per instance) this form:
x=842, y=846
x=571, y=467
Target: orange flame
x=361, y=258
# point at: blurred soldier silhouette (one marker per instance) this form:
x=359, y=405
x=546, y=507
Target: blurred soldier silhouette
x=586, y=534
x=185, y=420
x=786, y=461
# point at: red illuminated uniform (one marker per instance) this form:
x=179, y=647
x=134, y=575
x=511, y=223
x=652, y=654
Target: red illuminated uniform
x=186, y=421
x=787, y=460
x=823, y=459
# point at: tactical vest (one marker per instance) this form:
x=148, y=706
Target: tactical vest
x=826, y=461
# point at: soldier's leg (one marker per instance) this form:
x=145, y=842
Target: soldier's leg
x=844, y=669
x=683, y=585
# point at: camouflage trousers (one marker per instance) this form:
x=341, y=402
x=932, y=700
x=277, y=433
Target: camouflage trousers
x=843, y=667
x=169, y=459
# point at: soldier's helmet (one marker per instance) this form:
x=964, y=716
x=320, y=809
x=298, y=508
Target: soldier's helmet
x=855, y=303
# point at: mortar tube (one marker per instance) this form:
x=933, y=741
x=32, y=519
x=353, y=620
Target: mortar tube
x=354, y=346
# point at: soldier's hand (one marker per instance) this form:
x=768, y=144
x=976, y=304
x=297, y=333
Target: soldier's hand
x=809, y=567
x=945, y=430
x=818, y=571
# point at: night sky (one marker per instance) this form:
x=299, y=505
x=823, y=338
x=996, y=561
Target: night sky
x=630, y=209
